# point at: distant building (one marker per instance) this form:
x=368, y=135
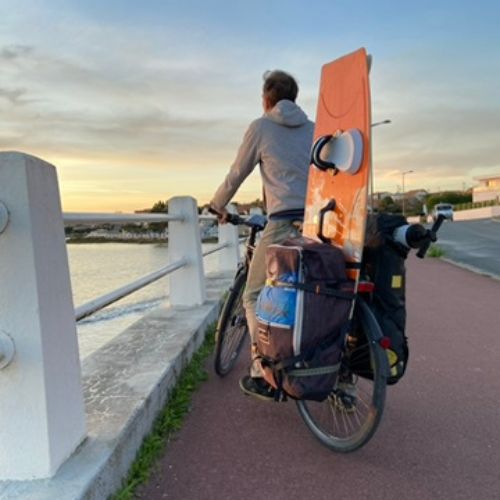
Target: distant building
x=419, y=194
x=488, y=189
x=412, y=197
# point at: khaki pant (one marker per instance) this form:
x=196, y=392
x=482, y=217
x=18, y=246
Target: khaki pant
x=275, y=232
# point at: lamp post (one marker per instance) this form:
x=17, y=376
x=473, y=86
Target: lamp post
x=383, y=122
x=403, y=185
x=373, y=125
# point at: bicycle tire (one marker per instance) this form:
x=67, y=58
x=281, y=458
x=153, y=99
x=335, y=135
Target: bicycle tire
x=232, y=328
x=345, y=429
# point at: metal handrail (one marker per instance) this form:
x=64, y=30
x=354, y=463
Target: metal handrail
x=96, y=304
x=103, y=218
x=215, y=249
x=99, y=303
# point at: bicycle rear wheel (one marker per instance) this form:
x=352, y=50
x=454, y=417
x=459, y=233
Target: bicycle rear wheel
x=231, y=329
x=349, y=417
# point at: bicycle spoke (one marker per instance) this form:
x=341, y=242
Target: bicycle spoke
x=232, y=329
x=350, y=415
x=232, y=342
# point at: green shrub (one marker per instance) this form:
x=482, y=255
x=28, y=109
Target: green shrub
x=435, y=251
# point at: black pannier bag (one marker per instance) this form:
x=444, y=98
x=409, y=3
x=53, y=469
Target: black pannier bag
x=384, y=264
x=303, y=314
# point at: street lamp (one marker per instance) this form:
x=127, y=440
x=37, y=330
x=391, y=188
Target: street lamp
x=383, y=122
x=403, y=185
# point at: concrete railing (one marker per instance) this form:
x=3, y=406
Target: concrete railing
x=42, y=419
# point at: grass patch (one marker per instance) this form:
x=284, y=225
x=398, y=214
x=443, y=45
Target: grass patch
x=169, y=421
x=435, y=251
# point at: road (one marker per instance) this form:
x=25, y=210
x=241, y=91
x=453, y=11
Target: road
x=438, y=438
x=473, y=243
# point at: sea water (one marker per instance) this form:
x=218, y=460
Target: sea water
x=99, y=268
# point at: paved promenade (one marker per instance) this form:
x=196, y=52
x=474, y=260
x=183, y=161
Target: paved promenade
x=439, y=437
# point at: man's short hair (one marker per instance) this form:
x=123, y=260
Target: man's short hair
x=279, y=85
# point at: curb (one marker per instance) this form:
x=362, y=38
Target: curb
x=470, y=268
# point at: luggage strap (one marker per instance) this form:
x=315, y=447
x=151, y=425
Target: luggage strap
x=282, y=367
x=353, y=265
x=318, y=289
x=288, y=365
x=310, y=372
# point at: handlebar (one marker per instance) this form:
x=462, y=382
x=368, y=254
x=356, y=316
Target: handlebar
x=255, y=221
x=416, y=236
x=432, y=236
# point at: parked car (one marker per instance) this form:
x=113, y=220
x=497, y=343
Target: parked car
x=443, y=209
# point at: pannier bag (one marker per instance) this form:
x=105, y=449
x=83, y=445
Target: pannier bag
x=303, y=313
x=384, y=265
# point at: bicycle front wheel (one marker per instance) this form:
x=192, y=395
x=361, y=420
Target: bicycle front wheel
x=231, y=328
x=349, y=417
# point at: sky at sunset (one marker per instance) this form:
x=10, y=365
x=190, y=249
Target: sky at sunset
x=135, y=102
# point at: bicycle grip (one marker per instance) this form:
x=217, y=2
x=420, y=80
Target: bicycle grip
x=234, y=219
x=423, y=249
x=432, y=237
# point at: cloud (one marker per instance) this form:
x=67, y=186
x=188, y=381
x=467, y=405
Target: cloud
x=13, y=95
x=86, y=109
x=13, y=52
x=160, y=100
x=444, y=125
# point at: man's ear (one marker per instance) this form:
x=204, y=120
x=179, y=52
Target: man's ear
x=267, y=104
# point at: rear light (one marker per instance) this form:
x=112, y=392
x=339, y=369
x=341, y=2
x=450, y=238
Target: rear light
x=366, y=287
x=385, y=342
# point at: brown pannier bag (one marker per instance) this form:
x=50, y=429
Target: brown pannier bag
x=303, y=313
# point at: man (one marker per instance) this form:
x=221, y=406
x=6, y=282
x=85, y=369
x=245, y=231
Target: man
x=280, y=142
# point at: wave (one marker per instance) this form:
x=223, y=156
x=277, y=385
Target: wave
x=113, y=312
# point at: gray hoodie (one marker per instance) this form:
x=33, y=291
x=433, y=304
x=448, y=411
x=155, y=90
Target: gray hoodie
x=280, y=141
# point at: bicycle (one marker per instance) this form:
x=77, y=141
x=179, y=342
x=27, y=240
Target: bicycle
x=232, y=326
x=348, y=418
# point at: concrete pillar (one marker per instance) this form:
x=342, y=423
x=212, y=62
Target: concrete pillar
x=41, y=402
x=187, y=285
x=229, y=257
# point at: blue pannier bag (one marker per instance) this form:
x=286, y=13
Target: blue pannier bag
x=277, y=304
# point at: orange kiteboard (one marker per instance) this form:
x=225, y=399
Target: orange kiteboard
x=337, y=192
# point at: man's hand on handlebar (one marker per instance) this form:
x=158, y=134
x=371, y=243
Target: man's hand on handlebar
x=221, y=213
x=223, y=216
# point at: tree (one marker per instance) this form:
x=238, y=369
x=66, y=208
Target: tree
x=159, y=207
x=452, y=197
x=388, y=205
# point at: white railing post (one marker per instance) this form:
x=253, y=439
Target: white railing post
x=187, y=285
x=229, y=256
x=42, y=417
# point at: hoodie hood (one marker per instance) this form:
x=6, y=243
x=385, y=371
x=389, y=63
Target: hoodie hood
x=287, y=113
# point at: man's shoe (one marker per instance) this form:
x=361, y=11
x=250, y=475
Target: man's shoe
x=257, y=387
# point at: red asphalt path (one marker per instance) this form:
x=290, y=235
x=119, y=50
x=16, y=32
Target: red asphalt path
x=439, y=437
